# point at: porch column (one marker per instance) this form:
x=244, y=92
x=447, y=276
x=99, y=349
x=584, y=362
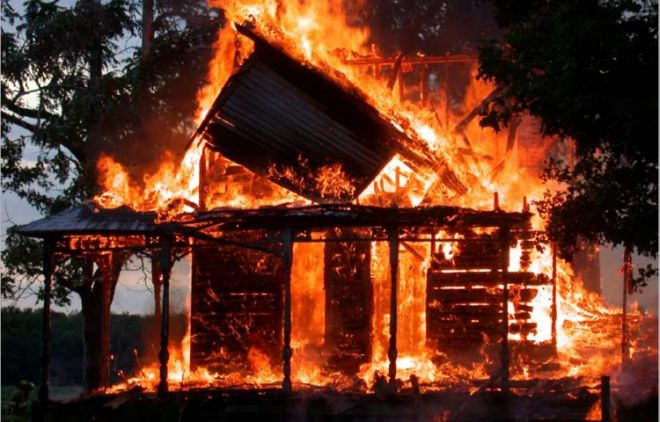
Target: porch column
x=164, y=355
x=393, y=239
x=48, y=249
x=287, y=255
x=504, y=246
x=106, y=264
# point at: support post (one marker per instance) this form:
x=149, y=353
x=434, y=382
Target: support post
x=554, y=295
x=157, y=282
x=106, y=267
x=43, y=393
x=393, y=239
x=605, y=399
x=203, y=164
x=287, y=258
x=504, y=245
x=164, y=355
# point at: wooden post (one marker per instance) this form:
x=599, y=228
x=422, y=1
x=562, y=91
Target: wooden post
x=627, y=281
x=605, y=399
x=157, y=282
x=164, y=355
x=203, y=164
x=554, y=295
x=43, y=393
x=504, y=245
x=287, y=258
x=106, y=267
x=393, y=239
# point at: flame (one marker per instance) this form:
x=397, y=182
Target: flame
x=322, y=35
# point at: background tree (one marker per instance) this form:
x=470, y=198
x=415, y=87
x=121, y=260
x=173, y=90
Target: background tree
x=83, y=80
x=588, y=69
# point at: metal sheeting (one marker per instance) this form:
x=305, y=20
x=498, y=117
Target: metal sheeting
x=276, y=115
x=90, y=219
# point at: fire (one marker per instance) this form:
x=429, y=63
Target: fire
x=320, y=34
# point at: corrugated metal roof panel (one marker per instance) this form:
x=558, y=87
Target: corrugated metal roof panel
x=276, y=114
x=90, y=219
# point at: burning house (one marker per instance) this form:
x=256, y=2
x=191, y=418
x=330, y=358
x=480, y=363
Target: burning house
x=331, y=244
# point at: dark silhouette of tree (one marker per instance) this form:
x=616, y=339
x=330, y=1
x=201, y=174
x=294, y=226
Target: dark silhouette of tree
x=589, y=70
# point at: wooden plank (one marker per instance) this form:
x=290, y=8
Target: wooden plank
x=455, y=296
x=487, y=279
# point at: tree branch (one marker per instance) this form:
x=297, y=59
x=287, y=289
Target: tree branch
x=19, y=122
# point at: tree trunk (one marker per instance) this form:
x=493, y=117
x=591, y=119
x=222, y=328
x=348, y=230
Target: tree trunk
x=96, y=300
x=147, y=27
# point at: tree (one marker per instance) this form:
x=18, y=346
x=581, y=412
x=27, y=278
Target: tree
x=588, y=69
x=77, y=82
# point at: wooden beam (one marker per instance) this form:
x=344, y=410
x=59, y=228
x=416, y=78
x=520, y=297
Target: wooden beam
x=164, y=355
x=605, y=399
x=415, y=60
x=505, y=359
x=393, y=239
x=287, y=258
x=395, y=72
x=105, y=261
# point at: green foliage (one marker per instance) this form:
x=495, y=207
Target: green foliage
x=75, y=85
x=21, y=344
x=588, y=69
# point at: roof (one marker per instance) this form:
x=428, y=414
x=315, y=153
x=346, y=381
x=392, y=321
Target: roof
x=276, y=115
x=89, y=218
x=338, y=215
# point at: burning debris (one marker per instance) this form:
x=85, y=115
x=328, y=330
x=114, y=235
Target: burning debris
x=343, y=237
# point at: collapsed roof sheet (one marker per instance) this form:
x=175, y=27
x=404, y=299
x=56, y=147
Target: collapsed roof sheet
x=89, y=218
x=284, y=120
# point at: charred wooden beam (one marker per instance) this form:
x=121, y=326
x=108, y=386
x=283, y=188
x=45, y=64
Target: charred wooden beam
x=395, y=72
x=413, y=60
x=105, y=263
x=393, y=234
x=47, y=262
x=287, y=258
x=164, y=355
x=605, y=411
x=505, y=359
